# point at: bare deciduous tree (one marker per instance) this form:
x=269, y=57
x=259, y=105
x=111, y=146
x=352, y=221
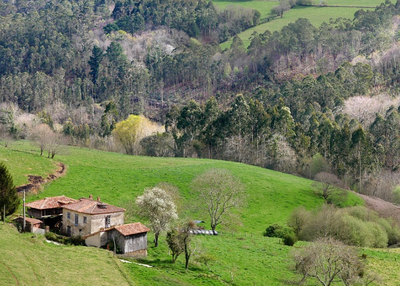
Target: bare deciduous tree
x=159, y=208
x=329, y=187
x=218, y=192
x=328, y=260
x=54, y=143
x=41, y=134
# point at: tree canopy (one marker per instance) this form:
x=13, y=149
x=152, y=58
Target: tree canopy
x=9, y=199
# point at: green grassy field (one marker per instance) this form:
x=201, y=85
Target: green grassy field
x=371, y=3
x=24, y=163
x=316, y=15
x=28, y=260
x=264, y=7
x=242, y=255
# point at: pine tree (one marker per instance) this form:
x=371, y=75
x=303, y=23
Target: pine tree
x=8, y=193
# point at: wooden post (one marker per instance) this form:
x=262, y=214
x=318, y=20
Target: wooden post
x=4, y=214
x=24, y=221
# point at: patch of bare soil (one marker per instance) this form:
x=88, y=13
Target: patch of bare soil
x=35, y=182
x=384, y=208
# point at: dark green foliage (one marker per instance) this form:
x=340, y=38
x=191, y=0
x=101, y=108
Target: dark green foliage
x=276, y=230
x=8, y=193
x=73, y=240
x=289, y=239
x=194, y=17
x=94, y=62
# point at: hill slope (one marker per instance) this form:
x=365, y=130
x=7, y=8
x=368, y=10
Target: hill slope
x=239, y=254
x=28, y=260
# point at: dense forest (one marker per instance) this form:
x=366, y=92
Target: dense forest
x=285, y=102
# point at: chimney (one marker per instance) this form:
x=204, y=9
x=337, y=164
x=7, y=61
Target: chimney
x=98, y=199
x=91, y=197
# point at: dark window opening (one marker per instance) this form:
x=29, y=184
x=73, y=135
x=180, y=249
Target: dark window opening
x=108, y=221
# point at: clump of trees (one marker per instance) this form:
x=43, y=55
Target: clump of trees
x=356, y=226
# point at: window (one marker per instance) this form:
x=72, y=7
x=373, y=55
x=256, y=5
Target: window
x=68, y=215
x=108, y=221
x=68, y=230
x=76, y=219
x=84, y=219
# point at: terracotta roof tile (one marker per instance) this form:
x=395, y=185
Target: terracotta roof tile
x=89, y=206
x=132, y=228
x=51, y=203
x=30, y=220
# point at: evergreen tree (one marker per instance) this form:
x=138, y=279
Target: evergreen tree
x=9, y=199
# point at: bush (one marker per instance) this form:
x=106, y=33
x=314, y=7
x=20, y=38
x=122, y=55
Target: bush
x=51, y=236
x=298, y=219
x=276, y=230
x=75, y=240
x=289, y=239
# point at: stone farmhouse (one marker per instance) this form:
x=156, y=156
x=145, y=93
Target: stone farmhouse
x=88, y=216
x=98, y=223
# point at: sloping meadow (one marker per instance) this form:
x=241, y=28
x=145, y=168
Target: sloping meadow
x=239, y=255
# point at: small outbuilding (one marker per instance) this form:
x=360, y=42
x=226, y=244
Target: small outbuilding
x=131, y=238
x=31, y=224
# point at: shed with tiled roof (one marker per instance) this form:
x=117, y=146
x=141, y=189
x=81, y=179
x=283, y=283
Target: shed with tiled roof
x=31, y=223
x=131, y=238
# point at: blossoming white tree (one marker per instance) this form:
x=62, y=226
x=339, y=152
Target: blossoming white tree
x=159, y=208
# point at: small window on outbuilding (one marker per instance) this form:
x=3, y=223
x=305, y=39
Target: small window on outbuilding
x=84, y=219
x=76, y=219
x=68, y=215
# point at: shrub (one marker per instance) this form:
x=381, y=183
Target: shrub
x=298, y=219
x=289, y=239
x=276, y=230
x=51, y=236
x=379, y=235
x=75, y=240
x=391, y=229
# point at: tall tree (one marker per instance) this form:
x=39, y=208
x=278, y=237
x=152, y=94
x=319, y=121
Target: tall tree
x=218, y=192
x=94, y=62
x=9, y=199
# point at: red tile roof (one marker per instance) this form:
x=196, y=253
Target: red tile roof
x=51, y=203
x=89, y=206
x=29, y=220
x=132, y=228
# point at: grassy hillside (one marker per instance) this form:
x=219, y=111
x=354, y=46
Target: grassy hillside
x=316, y=15
x=22, y=164
x=29, y=260
x=119, y=179
x=240, y=254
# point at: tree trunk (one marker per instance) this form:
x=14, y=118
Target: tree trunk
x=187, y=254
x=156, y=239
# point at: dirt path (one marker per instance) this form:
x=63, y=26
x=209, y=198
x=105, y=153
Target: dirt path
x=382, y=207
x=35, y=182
x=15, y=277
